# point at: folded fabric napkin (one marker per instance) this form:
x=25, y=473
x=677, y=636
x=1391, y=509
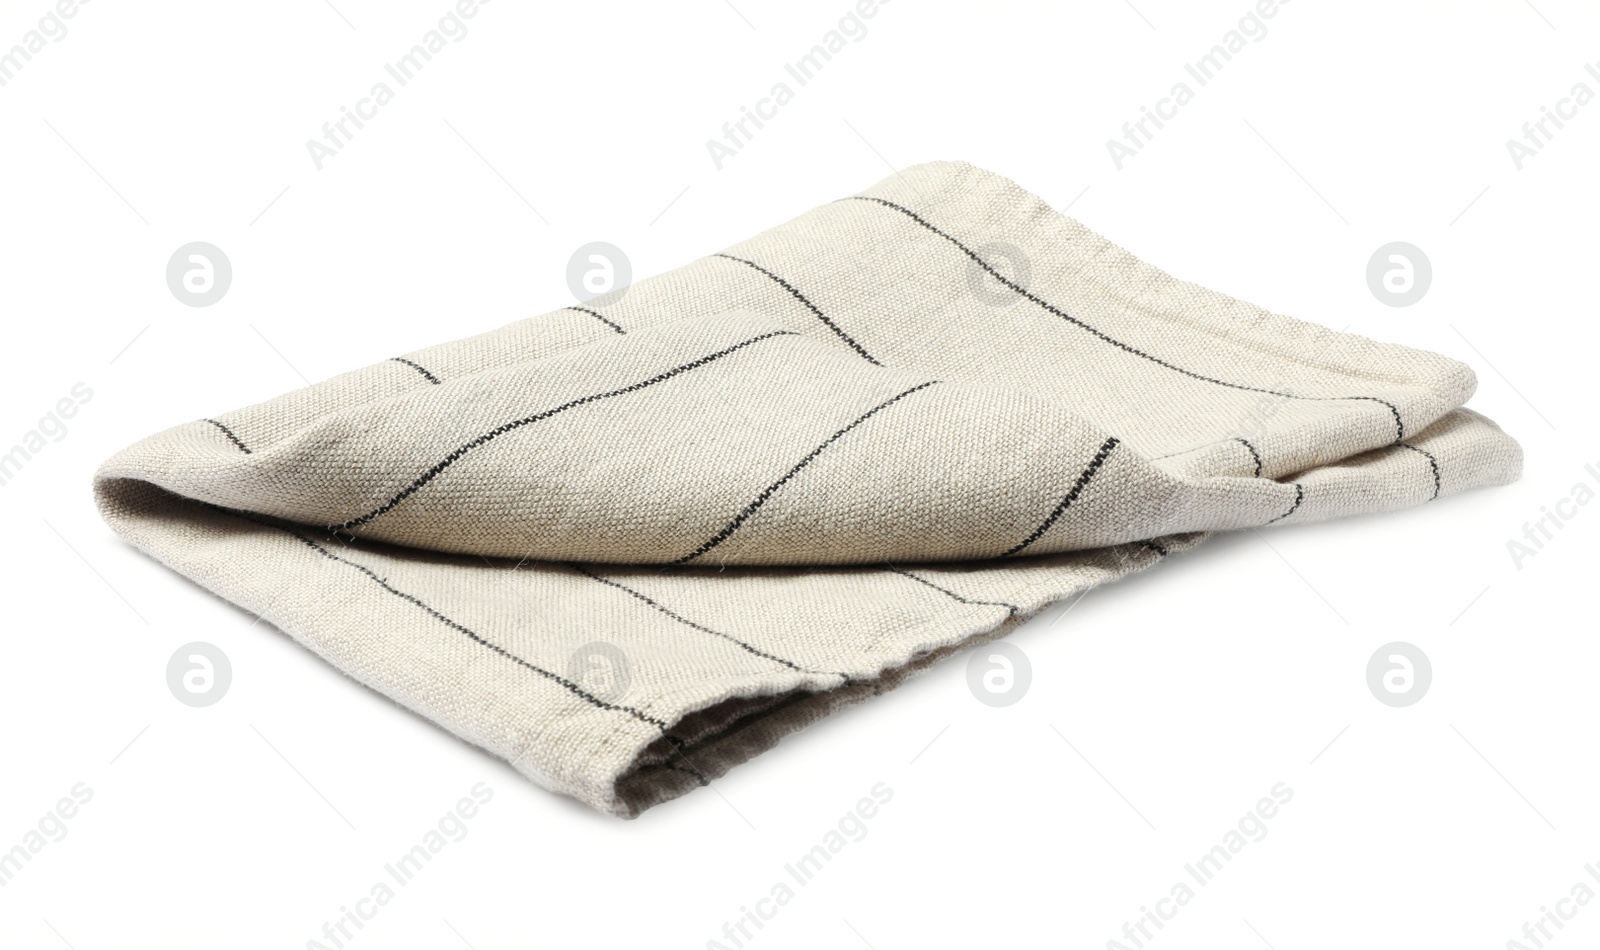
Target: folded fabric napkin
x=628, y=545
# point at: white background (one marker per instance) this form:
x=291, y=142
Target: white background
x=1185, y=693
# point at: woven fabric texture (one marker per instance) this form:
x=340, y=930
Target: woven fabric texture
x=630, y=544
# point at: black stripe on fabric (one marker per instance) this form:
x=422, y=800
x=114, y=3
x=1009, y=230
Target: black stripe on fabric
x=455, y=456
x=762, y=498
x=416, y=366
x=1253, y=453
x=809, y=305
x=1084, y=477
x=556, y=678
x=1013, y=608
x=1400, y=429
x=597, y=316
x=690, y=623
x=231, y=437
x=1299, y=496
x=1432, y=462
